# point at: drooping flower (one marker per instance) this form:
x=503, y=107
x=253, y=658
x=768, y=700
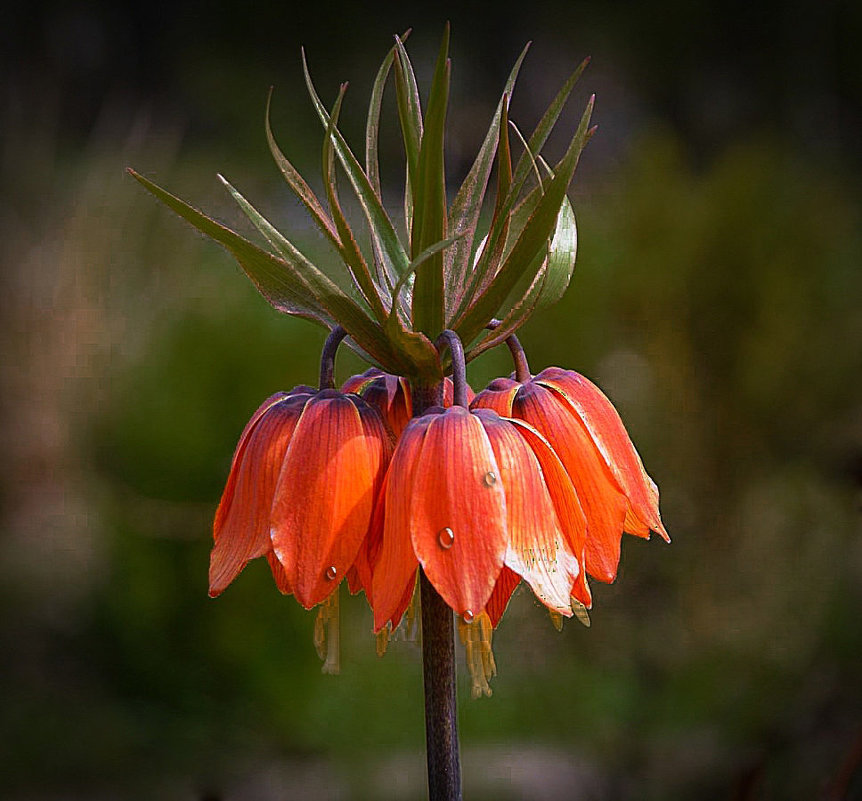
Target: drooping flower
x=301, y=491
x=391, y=395
x=586, y=432
x=469, y=495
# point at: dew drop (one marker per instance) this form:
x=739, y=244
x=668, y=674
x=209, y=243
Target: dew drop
x=489, y=479
x=331, y=573
x=446, y=537
x=468, y=616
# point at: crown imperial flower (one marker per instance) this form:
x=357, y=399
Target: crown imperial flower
x=468, y=494
x=378, y=483
x=301, y=491
x=586, y=432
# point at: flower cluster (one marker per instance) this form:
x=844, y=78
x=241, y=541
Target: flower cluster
x=535, y=481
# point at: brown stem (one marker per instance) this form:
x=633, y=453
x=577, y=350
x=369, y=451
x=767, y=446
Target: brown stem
x=438, y=665
x=327, y=357
x=459, y=366
x=522, y=368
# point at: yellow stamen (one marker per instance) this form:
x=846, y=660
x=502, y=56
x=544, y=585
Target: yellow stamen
x=581, y=612
x=411, y=625
x=326, y=639
x=476, y=637
x=556, y=619
x=382, y=637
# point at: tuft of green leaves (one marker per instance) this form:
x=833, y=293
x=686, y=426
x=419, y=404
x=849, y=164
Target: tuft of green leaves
x=449, y=273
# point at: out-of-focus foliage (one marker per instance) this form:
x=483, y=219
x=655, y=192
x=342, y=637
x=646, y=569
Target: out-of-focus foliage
x=716, y=300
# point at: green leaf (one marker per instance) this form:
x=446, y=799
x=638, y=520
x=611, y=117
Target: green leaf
x=409, y=108
x=349, y=250
x=429, y=204
x=467, y=205
x=426, y=254
x=291, y=284
x=547, y=287
x=297, y=183
x=533, y=239
x=372, y=125
x=546, y=125
x=488, y=260
x=382, y=230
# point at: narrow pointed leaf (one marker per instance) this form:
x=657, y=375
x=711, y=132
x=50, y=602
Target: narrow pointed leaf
x=292, y=285
x=429, y=208
x=489, y=260
x=546, y=288
x=297, y=183
x=349, y=250
x=372, y=126
x=546, y=125
x=467, y=205
x=409, y=108
x=529, y=244
x=378, y=220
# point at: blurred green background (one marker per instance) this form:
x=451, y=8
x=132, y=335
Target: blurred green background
x=717, y=300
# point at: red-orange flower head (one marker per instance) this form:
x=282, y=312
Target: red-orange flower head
x=301, y=491
x=475, y=500
x=585, y=431
x=390, y=394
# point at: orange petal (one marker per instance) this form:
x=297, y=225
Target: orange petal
x=457, y=515
x=356, y=383
x=227, y=494
x=278, y=573
x=538, y=550
x=603, y=503
x=498, y=396
x=241, y=528
x=325, y=494
x=502, y=594
x=608, y=432
x=566, y=504
x=394, y=565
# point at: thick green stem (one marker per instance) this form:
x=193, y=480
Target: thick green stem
x=438, y=668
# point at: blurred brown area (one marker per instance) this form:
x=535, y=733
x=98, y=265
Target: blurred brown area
x=717, y=300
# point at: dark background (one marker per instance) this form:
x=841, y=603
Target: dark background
x=717, y=299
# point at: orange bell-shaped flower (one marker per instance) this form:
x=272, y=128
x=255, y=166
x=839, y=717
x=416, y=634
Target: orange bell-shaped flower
x=467, y=496
x=586, y=432
x=301, y=491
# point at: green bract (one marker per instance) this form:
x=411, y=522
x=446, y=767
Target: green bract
x=449, y=274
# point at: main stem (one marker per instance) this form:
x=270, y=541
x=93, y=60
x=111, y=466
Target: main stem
x=438, y=669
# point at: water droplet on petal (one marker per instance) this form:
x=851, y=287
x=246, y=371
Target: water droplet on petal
x=489, y=479
x=468, y=616
x=331, y=573
x=446, y=537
